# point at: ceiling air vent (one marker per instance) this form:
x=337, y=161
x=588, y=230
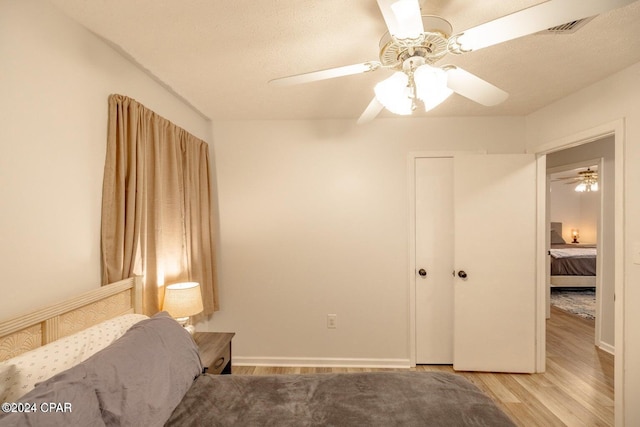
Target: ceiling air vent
x=567, y=28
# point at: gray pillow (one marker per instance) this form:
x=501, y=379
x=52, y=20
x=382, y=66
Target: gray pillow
x=556, y=239
x=141, y=377
x=137, y=380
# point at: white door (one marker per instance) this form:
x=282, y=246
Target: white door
x=494, y=315
x=434, y=260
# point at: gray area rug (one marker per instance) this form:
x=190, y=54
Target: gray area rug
x=578, y=301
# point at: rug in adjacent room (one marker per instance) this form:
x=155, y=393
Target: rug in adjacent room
x=578, y=301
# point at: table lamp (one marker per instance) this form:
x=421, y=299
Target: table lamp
x=183, y=300
x=575, y=234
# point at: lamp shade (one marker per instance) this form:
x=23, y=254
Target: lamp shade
x=394, y=94
x=183, y=299
x=431, y=86
x=586, y=186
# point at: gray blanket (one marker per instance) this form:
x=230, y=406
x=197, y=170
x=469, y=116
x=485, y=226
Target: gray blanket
x=354, y=399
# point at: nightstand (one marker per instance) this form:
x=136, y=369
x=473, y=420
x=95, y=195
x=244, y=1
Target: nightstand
x=215, y=351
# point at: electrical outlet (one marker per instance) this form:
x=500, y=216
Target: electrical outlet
x=332, y=321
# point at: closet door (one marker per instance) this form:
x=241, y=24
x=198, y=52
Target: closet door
x=434, y=260
x=494, y=290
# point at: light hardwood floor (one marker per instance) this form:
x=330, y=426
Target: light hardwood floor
x=576, y=389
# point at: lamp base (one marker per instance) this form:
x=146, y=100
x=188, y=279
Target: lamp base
x=184, y=322
x=575, y=240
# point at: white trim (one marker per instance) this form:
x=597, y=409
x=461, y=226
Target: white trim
x=616, y=128
x=601, y=257
x=619, y=274
x=607, y=347
x=542, y=269
x=323, y=362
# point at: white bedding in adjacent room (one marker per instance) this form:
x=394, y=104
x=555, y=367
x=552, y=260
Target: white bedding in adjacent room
x=572, y=252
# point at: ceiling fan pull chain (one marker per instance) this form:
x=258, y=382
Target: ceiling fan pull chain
x=411, y=84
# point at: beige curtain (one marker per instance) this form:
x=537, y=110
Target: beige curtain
x=156, y=205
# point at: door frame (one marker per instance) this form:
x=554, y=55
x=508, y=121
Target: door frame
x=411, y=190
x=616, y=129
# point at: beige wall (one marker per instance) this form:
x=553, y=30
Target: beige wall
x=608, y=100
x=55, y=78
x=314, y=220
x=574, y=210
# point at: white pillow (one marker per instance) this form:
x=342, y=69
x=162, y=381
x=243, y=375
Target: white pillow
x=7, y=371
x=20, y=374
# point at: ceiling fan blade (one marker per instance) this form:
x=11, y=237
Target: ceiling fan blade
x=473, y=87
x=330, y=73
x=370, y=113
x=533, y=19
x=403, y=17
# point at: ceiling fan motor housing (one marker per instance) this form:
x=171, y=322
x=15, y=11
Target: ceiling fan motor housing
x=431, y=45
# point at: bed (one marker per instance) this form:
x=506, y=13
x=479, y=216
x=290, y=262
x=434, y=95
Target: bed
x=151, y=375
x=572, y=265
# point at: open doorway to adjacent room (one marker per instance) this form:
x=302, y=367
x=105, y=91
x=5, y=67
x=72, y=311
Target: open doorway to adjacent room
x=594, y=222
x=580, y=217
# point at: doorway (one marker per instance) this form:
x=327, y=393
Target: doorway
x=589, y=215
x=614, y=130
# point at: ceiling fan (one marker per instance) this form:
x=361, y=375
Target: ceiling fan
x=587, y=180
x=415, y=43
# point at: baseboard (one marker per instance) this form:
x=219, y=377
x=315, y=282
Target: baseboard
x=607, y=347
x=323, y=362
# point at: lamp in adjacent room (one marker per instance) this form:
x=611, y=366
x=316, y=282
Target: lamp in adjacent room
x=575, y=234
x=183, y=300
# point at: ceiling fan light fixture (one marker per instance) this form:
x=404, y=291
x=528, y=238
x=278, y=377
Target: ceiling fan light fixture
x=586, y=187
x=431, y=86
x=394, y=93
x=588, y=181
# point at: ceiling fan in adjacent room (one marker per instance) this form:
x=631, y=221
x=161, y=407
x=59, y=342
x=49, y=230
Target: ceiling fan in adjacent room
x=587, y=180
x=415, y=43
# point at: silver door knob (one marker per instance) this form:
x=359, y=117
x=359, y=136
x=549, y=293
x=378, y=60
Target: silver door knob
x=462, y=274
x=422, y=272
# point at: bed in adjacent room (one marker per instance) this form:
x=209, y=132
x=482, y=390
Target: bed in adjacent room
x=572, y=265
x=140, y=370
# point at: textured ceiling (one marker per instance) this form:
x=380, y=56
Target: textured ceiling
x=219, y=54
